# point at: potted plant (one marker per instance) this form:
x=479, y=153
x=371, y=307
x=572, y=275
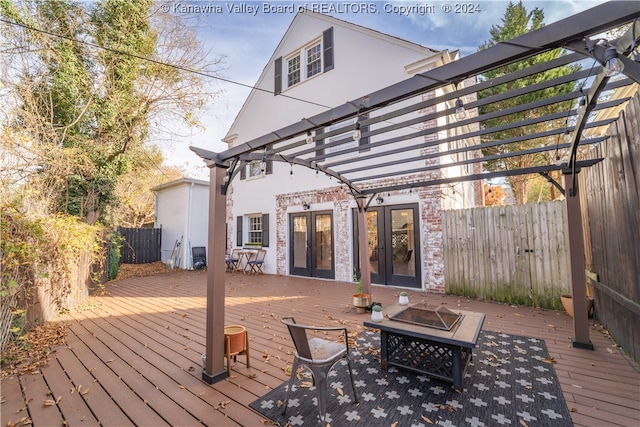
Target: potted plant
x=376, y=314
x=567, y=303
x=360, y=300
x=404, y=298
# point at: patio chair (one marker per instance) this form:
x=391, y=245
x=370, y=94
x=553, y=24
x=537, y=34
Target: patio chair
x=319, y=356
x=232, y=260
x=255, y=264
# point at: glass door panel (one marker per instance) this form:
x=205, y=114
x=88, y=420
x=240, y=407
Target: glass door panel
x=300, y=242
x=373, y=241
x=402, y=242
x=323, y=243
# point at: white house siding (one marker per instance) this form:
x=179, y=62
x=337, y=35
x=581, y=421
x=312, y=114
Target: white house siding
x=365, y=61
x=182, y=211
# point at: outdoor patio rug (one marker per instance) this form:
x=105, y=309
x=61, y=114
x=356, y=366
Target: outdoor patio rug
x=509, y=382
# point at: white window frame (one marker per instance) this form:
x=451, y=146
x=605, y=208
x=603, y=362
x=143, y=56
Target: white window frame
x=297, y=70
x=302, y=55
x=254, y=228
x=345, y=145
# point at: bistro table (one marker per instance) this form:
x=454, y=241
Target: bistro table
x=440, y=353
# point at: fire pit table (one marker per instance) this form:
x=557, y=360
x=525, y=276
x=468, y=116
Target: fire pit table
x=428, y=339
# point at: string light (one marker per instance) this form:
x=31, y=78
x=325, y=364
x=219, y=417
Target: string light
x=461, y=112
x=357, y=134
x=582, y=105
x=612, y=64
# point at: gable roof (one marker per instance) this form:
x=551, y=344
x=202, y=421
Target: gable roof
x=298, y=20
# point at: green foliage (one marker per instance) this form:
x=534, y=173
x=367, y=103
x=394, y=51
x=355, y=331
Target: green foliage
x=41, y=251
x=85, y=112
x=518, y=20
x=115, y=245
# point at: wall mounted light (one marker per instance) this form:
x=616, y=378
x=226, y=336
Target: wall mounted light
x=612, y=64
x=379, y=200
x=567, y=136
x=306, y=206
x=460, y=112
x=309, y=139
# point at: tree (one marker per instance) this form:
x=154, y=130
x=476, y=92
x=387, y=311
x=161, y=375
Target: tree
x=135, y=206
x=517, y=21
x=89, y=90
x=494, y=195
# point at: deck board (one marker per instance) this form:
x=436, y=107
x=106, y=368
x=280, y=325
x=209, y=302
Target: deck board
x=138, y=349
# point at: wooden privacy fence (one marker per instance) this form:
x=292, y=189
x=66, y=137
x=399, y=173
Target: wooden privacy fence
x=515, y=254
x=140, y=245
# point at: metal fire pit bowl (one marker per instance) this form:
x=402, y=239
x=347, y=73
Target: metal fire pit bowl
x=431, y=316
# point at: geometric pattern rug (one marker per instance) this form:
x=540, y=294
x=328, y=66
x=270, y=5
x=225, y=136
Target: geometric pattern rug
x=510, y=381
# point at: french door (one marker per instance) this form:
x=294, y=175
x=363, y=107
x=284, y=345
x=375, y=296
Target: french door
x=393, y=247
x=311, y=244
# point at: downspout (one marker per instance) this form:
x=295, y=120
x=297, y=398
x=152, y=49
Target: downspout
x=187, y=249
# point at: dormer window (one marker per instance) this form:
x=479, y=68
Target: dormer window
x=313, y=59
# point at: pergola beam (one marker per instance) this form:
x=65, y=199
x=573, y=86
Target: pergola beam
x=549, y=37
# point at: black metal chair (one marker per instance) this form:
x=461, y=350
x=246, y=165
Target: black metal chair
x=319, y=356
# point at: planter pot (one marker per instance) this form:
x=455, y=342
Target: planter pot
x=567, y=303
x=234, y=339
x=403, y=300
x=377, y=316
x=361, y=302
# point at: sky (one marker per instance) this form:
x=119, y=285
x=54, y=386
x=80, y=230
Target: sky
x=246, y=33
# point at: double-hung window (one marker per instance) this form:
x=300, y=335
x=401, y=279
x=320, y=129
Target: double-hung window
x=255, y=229
x=314, y=58
x=293, y=70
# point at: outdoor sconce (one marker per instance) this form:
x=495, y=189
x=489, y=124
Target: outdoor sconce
x=305, y=206
x=612, y=64
x=460, y=112
x=309, y=139
x=379, y=200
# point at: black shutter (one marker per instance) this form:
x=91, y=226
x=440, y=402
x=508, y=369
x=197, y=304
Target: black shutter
x=265, y=230
x=277, y=83
x=269, y=163
x=319, y=142
x=327, y=42
x=364, y=141
x=239, y=231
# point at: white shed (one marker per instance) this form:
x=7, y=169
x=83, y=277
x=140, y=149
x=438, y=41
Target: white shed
x=182, y=211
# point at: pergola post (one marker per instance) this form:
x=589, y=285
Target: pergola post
x=576, y=253
x=214, y=370
x=363, y=245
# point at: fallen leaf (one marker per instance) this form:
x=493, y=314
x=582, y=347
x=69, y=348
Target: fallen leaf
x=340, y=392
x=522, y=423
x=426, y=420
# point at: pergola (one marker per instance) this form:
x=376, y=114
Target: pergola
x=405, y=148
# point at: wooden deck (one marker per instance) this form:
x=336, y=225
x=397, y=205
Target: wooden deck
x=133, y=357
